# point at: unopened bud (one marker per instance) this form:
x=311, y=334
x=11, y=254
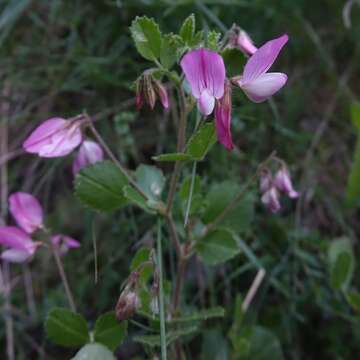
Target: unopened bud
x=245, y=43
x=271, y=200
x=265, y=180
x=283, y=183
x=162, y=94
x=149, y=91
x=127, y=305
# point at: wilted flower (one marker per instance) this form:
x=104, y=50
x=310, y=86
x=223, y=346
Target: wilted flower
x=147, y=89
x=89, y=153
x=22, y=248
x=223, y=118
x=205, y=71
x=26, y=210
x=283, y=183
x=127, y=305
x=54, y=138
x=256, y=82
x=64, y=243
x=271, y=199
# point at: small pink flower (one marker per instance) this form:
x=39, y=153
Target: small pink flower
x=256, y=82
x=26, y=210
x=64, y=243
x=89, y=153
x=283, y=183
x=54, y=138
x=245, y=43
x=271, y=199
x=205, y=71
x=22, y=248
x=223, y=118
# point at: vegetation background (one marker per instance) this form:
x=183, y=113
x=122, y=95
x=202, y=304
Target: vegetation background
x=61, y=57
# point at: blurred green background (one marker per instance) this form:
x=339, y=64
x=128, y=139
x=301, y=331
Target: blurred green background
x=61, y=57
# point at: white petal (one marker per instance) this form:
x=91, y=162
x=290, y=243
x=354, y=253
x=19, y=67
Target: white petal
x=15, y=256
x=264, y=86
x=206, y=103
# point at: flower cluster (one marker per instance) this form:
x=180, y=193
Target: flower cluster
x=58, y=137
x=205, y=72
x=28, y=214
x=272, y=186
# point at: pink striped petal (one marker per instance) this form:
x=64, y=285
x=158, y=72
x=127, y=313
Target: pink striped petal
x=263, y=58
x=26, y=210
x=53, y=138
x=15, y=256
x=204, y=69
x=15, y=238
x=245, y=43
x=206, y=103
x=264, y=86
x=64, y=243
x=89, y=153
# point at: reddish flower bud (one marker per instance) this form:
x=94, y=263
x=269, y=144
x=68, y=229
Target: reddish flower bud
x=127, y=305
x=162, y=94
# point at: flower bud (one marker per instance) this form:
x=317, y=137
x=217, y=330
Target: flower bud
x=271, y=199
x=26, y=210
x=54, y=138
x=64, y=243
x=89, y=153
x=127, y=305
x=162, y=94
x=245, y=43
x=265, y=180
x=148, y=89
x=283, y=183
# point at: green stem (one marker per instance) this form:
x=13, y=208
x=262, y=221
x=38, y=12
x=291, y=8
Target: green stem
x=161, y=294
x=191, y=190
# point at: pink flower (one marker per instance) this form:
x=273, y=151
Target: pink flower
x=271, y=199
x=223, y=118
x=89, y=153
x=245, y=43
x=64, y=243
x=26, y=210
x=54, y=138
x=256, y=82
x=22, y=248
x=205, y=71
x=283, y=183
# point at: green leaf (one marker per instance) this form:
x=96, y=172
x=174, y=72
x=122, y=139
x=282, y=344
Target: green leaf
x=202, y=141
x=94, y=352
x=136, y=198
x=151, y=180
x=201, y=315
x=100, y=186
x=172, y=157
x=219, y=197
x=187, y=29
x=214, y=346
x=213, y=39
x=217, y=247
x=171, y=50
x=147, y=37
x=142, y=256
x=66, y=328
x=353, y=187
x=342, y=263
x=185, y=187
x=234, y=61
x=197, y=39
x=355, y=114
x=109, y=331
x=353, y=299
x=264, y=345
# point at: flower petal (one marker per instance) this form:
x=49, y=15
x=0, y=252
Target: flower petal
x=26, y=210
x=263, y=58
x=15, y=256
x=13, y=237
x=89, y=153
x=264, y=86
x=206, y=103
x=204, y=69
x=223, y=119
x=245, y=43
x=35, y=141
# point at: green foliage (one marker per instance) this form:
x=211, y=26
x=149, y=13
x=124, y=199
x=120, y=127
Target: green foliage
x=342, y=263
x=353, y=299
x=66, y=328
x=94, y=352
x=202, y=141
x=187, y=30
x=108, y=331
x=234, y=61
x=217, y=247
x=171, y=50
x=213, y=40
x=173, y=157
x=201, y=315
x=100, y=186
x=147, y=37
x=353, y=186
x=355, y=114
x=151, y=180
